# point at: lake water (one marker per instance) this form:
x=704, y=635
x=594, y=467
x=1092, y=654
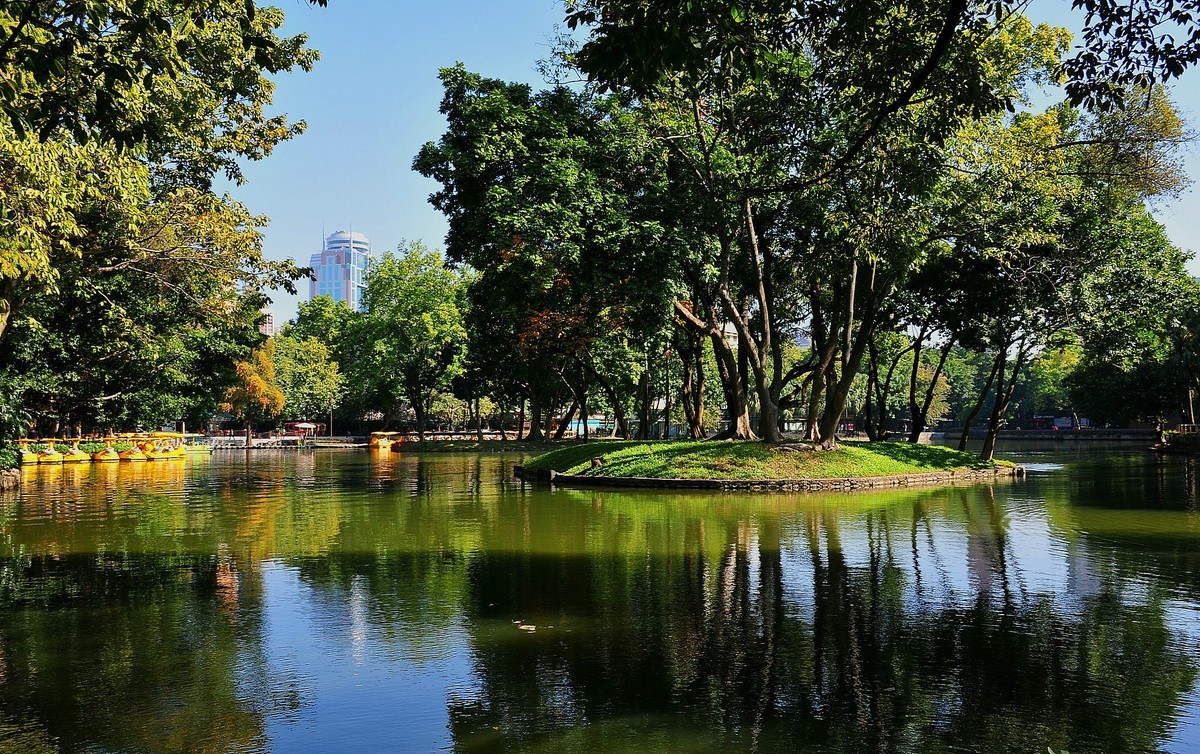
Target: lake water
x=342, y=601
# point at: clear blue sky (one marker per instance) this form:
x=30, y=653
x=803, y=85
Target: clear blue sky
x=372, y=101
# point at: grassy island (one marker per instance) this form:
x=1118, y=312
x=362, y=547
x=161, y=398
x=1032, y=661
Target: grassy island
x=740, y=460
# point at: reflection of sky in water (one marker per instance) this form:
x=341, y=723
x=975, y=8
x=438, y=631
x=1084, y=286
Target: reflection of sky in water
x=1033, y=467
x=353, y=685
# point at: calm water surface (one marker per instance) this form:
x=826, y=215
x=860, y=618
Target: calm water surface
x=338, y=601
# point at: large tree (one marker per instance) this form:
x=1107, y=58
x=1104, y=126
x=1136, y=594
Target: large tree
x=255, y=395
x=307, y=376
x=109, y=207
x=411, y=337
x=811, y=204
x=546, y=194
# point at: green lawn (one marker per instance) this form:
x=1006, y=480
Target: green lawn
x=699, y=459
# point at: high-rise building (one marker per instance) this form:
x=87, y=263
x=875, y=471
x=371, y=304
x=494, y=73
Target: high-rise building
x=267, y=325
x=341, y=268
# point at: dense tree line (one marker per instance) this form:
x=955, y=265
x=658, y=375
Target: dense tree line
x=749, y=214
x=725, y=201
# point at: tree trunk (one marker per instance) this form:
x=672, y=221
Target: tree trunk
x=535, y=420
x=471, y=415
x=824, y=375
x=997, y=419
x=994, y=418
x=667, y=400
x=620, y=424
x=835, y=399
x=566, y=420
x=914, y=431
x=738, y=407
x=419, y=416
x=738, y=410
x=872, y=388
x=698, y=430
x=583, y=404
x=685, y=395
x=693, y=386
x=966, y=431
x=813, y=413
x=768, y=415
x=643, y=410
x=521, y=420
x=920, y=413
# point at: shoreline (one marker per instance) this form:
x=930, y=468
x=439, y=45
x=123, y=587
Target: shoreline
x=753, y=465
x=920, y=479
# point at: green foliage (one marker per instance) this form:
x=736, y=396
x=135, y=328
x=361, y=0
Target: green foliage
x=92, y=448
x=93, y=69
x=309, y=379
x=642, y=44
x=160, y=340
x=9, y=458
x=109, y=207
x=412, y=338
x=13, y=418
x=573, y=275
x=338, y=328
x=256, y=395
x=765, y=173
x=449, y=410
x=1044, y=388
x=328, y=321
x=1138, y=327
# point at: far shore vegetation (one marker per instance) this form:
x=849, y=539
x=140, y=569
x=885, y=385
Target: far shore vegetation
x=758, y=230
x=746, y=459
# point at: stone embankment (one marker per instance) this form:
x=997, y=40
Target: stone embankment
x=10, y=479
x=928, y=479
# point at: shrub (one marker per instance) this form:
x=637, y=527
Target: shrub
x=122, y=446
x=92, y=447
x=8, y=457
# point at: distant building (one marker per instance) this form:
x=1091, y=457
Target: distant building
x=341, y=268
x=267, y=326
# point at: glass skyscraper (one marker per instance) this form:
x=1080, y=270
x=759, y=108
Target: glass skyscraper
x=341, y=268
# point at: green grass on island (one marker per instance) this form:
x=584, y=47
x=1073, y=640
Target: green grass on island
x=706, y=459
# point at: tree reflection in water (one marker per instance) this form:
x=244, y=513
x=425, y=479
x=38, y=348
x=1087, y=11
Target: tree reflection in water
x=1048, y=613
x=758, y=631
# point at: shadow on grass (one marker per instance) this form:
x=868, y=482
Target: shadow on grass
x=932, y=456
x=680, y=458
x=574, y=455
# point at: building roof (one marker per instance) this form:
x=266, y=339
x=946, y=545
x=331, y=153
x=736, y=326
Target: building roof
x=347, y=235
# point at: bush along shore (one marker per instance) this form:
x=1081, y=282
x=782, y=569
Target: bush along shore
x=699, y=464
x=9, y=477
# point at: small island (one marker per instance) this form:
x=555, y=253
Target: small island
x=752, y=465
